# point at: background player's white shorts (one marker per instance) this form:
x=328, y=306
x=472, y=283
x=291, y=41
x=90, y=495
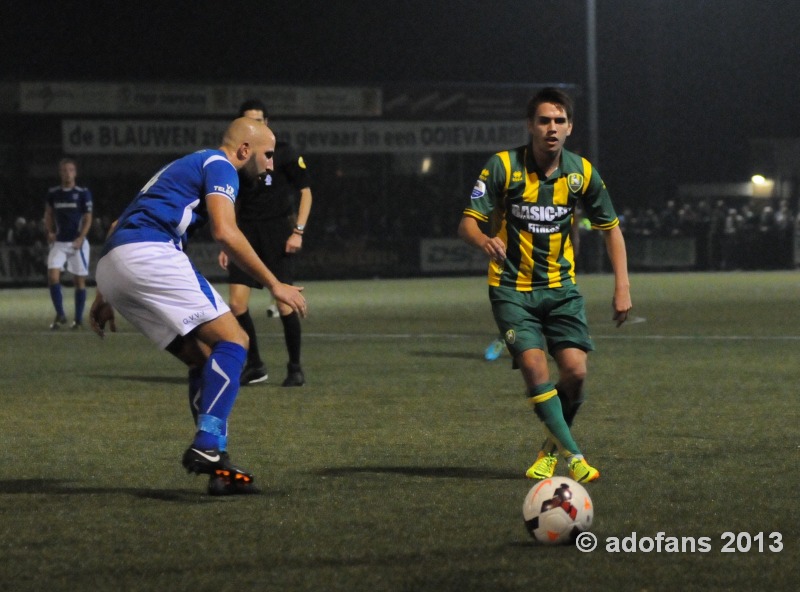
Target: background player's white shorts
x=76, y=260
x=156, y=288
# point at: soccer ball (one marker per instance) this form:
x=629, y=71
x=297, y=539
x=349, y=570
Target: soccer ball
x=557, y=510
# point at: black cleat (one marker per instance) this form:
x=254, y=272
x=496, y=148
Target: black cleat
x=57, y=322
x=203, y=461
x=224, y=477
x=76, y=326
x=231, y=481
x=253, y=374
x=295, y=376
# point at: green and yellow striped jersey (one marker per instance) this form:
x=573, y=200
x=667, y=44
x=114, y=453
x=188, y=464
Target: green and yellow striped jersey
x=533, y=215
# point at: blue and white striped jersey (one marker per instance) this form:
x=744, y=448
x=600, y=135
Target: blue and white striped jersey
x=173, y=201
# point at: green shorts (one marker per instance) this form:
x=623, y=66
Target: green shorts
x=547, y=319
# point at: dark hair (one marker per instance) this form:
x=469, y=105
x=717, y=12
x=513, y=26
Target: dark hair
x=253, y=104
x=67, y=160
x=550, y=95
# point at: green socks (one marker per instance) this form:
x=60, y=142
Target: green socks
x=547, y=406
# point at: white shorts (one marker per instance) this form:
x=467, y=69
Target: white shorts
x=156, y=288
x=63, y=253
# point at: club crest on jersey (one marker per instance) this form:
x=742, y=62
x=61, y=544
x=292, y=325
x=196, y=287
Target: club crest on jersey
x=511, y=337
x=575, y=182
x=479, y=190
x=516, y=176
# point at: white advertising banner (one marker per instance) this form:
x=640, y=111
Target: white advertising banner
x=139, y=136
x=196, y=99
x=311, y=137
x=358, y=137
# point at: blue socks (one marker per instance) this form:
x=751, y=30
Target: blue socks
x=219, y=386
x=58, y=302
x=57, y=298
x=80, y=304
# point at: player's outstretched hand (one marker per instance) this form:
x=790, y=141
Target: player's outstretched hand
x=291, y=296
x=101, y=314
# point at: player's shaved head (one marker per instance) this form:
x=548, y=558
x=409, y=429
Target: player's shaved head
x=249, y=144
x=245, y=130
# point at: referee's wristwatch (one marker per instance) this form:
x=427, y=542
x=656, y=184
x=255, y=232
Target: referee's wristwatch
x=298, y=229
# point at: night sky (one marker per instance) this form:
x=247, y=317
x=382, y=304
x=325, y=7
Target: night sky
x=683, y=85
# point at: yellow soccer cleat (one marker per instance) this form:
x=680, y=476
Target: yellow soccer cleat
x=543, y=467
x=581, y=471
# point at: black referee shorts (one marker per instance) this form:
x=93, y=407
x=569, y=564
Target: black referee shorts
x=268, y=238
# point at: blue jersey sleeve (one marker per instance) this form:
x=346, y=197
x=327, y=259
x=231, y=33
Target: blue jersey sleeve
x=86, y=201
x=220, y=177
x=172, y=203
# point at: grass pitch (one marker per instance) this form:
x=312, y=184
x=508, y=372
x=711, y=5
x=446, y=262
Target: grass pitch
x=399, y=466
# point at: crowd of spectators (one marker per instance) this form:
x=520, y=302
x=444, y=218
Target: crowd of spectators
x=728, y=234
x=22, y=232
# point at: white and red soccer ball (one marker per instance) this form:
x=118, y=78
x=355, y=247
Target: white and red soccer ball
x=557, y=510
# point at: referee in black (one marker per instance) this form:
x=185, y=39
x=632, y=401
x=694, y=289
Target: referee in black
x=272, y=213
